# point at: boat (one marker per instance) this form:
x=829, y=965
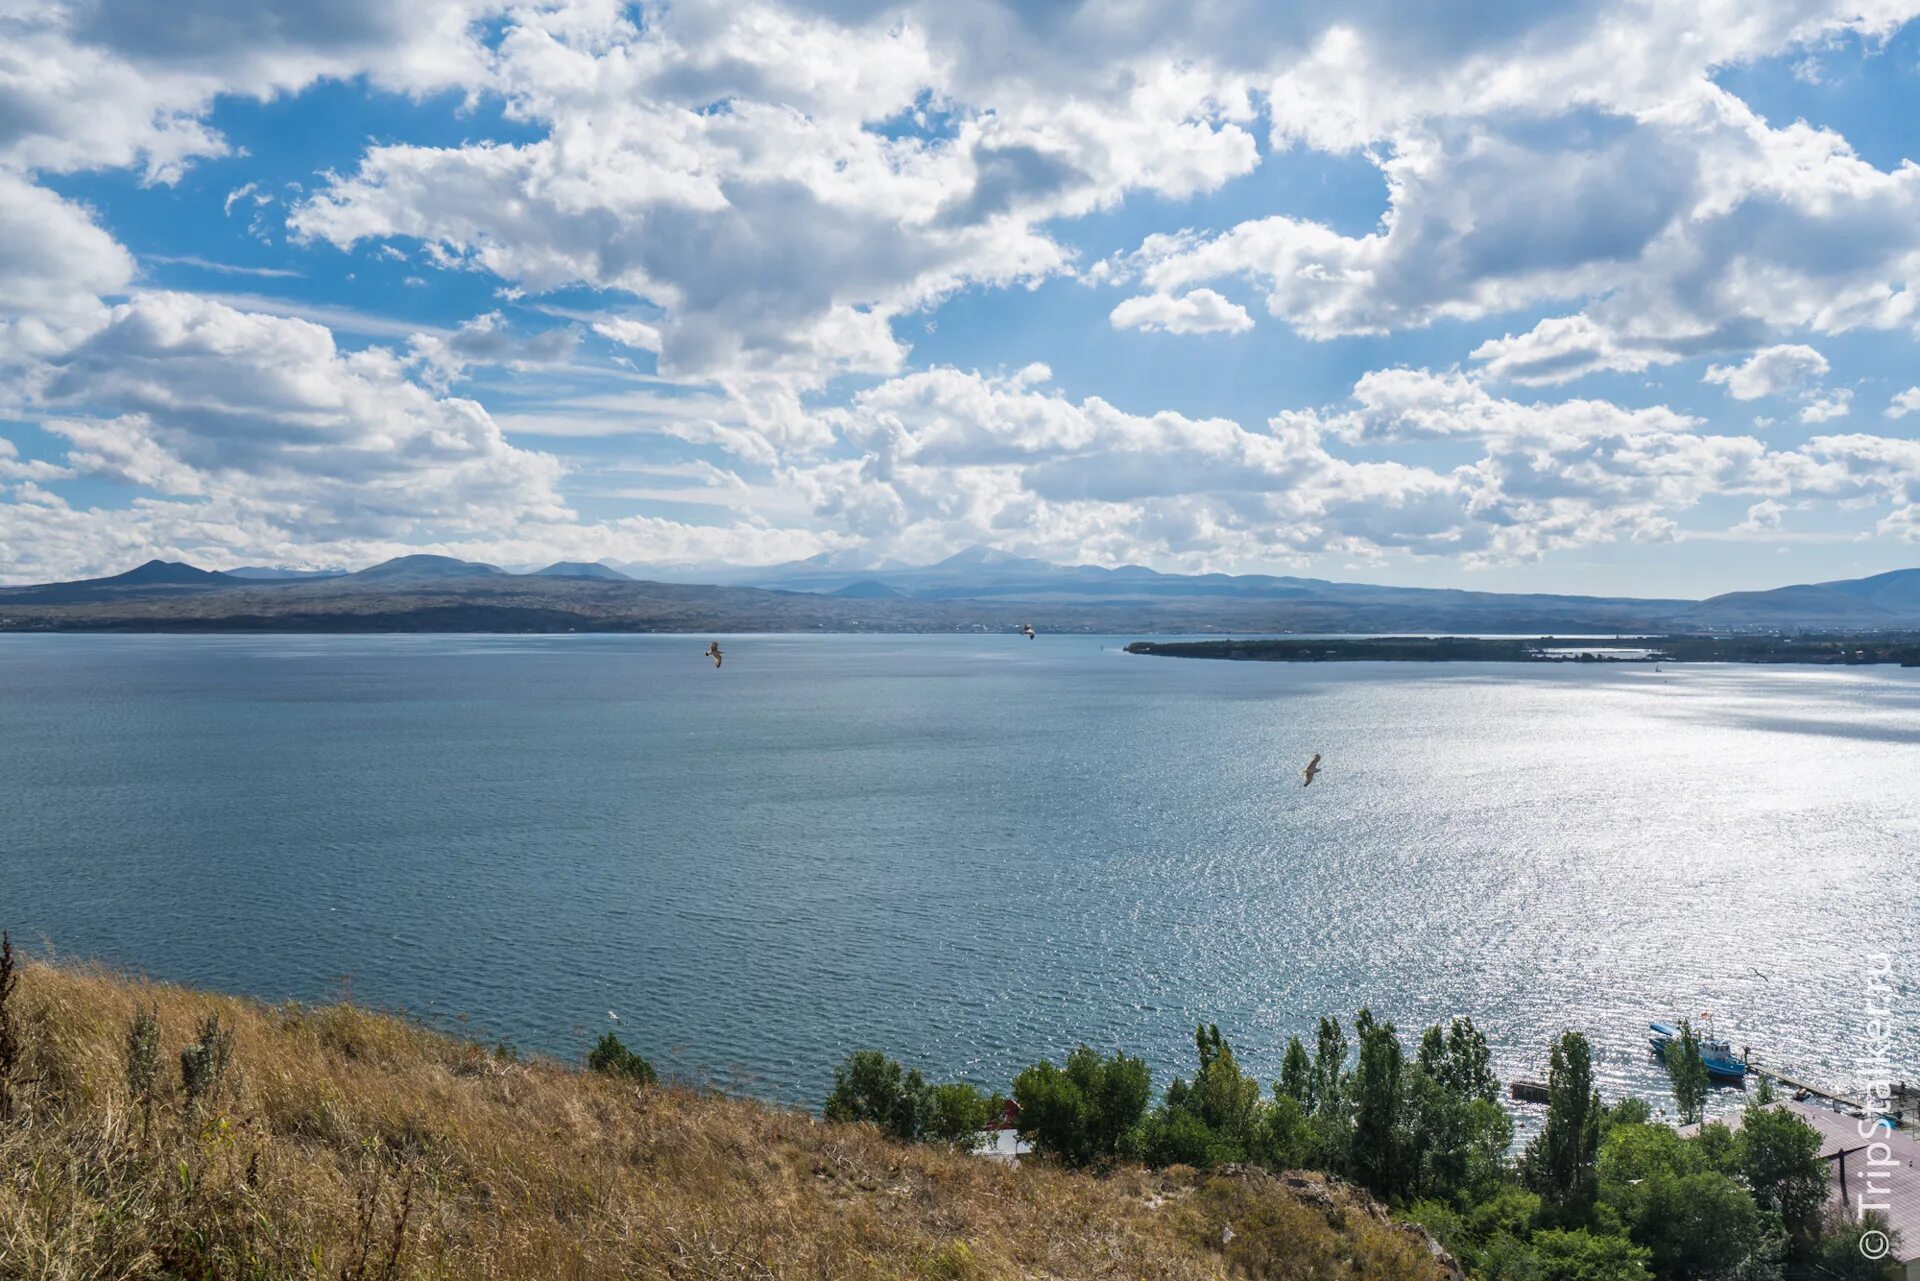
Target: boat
x=1714, y=1052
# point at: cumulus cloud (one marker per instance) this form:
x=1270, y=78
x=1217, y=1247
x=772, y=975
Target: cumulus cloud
x=1825, y=408
x=732, y=166
x=55, y=263
x=93, y=83
x=761, y=194
x=190, y=396
x=1199, y=311
x=1683, y=228
x=1904, y=403
x=1771, y=371
x=489, y=340
x=1764, y=517
x=950, y=457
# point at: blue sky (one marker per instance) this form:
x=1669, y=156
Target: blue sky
x=1589, y=297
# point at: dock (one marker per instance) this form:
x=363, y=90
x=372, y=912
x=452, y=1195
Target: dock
x=1902, y=1102
x=1525, y=1091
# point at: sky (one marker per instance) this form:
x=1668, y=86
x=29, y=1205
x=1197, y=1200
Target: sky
x=1584, y=296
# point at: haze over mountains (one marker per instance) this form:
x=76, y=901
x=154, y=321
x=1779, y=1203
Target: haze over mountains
x=979, y=589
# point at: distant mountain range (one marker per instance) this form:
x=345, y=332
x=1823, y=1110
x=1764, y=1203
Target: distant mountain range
x=977, y=590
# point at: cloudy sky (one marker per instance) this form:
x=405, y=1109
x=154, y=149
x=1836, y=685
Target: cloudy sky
x=1586, y=296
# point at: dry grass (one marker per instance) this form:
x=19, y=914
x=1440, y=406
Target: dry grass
x=357, y=1147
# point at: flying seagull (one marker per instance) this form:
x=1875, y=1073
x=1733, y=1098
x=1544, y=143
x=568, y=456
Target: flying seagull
x=713, y=652
x=1028, y=629
x=613, y=1016
x=1313, y=768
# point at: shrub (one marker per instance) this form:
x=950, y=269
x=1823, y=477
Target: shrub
x=9, y=1038
x=871, y=1087
x=1079, y=1114
x=610, y=1057
x=956, y=1113
x=143, y=1059
x=203, y=1064
x=1175, y=1136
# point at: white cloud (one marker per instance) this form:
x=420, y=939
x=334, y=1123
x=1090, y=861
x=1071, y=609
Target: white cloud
x=192, y=397
x=488, y=340
x=949, y=457
x=55, y=263
x=95, y=83
x=629, y=332
x=1825, y=408
x=1764, y=517
x=772, y=187
x=1198, y=311
x=1771, y=371
x=1904, y=403
x=725, y=164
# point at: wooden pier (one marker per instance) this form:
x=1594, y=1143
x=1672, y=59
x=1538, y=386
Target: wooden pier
x=1525, y=1091
x=1902, y=1103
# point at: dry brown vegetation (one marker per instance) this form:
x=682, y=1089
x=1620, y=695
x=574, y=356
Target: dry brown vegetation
x=353, y=1146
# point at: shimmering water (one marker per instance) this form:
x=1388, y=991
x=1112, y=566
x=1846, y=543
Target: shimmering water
x=971, y=851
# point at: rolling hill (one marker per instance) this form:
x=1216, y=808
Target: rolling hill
x=979, y=590
x=1882, y=601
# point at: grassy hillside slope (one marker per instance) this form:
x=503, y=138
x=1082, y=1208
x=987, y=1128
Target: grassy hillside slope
x=348, y=1145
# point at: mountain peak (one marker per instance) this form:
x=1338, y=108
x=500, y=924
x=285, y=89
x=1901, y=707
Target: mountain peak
x=980, y=556
x=164, y=571
x=579, y=569
x=425, y=565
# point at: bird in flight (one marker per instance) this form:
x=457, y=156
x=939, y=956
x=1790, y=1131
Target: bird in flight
x=1027, y=628
x=713, y=652
x=1313, y=768
x=613, y=1016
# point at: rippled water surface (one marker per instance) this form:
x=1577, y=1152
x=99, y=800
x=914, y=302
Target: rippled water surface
x=971, y=851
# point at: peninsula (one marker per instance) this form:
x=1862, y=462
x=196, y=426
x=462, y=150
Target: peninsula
x=1831, y=650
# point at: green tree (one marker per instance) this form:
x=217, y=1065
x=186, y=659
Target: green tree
x=1296, y=1074
x=1457, y=1134
x=1778, y=1157
x=611, y=1057
x=871, y=1087
x=1284, y=1139
x=1559, y=1163
x=1467, y=1069
x=1842, y=1259
x=1175, y=1136
x=1687, y=1070
x=1705, y=1226
x=1559, y=1254
x=956, y=1113
x=1079, y=1114
x=1376, y=1097
x=1329, y=1066
x=1222, y=1096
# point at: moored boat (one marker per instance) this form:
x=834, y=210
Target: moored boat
x=1715, y=1053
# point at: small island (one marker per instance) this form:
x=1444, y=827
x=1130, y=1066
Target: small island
x=1833, y=650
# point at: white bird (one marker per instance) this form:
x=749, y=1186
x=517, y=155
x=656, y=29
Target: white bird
x=613, y=1016
x=1028, y=629
x=713, y=652
x=1313, y=768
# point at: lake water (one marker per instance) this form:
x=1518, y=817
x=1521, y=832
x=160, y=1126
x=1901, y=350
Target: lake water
x=969, y=851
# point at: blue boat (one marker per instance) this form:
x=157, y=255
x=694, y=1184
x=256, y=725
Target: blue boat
x=1715, y=1053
